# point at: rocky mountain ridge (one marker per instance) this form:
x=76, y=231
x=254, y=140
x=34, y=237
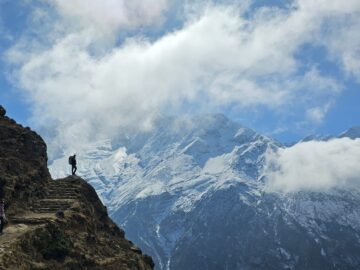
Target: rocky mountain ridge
x=58, y=224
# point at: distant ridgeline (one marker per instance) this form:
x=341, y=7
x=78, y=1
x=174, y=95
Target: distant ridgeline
x=58, y=224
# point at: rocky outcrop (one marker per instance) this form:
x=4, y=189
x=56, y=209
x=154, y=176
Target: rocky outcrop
x=2, y=111
x=23, y=164
x=58, y=224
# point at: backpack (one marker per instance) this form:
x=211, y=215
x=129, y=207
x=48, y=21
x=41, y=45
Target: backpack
x=71, y=158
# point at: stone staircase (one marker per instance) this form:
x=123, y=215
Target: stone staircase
x=60, y=197
x=61, y=189
x=50, y=206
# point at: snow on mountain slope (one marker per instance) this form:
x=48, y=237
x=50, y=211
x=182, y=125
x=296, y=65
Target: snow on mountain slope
x=190, y=193
x=180, y=155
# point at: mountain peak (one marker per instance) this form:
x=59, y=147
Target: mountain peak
x=352, y=133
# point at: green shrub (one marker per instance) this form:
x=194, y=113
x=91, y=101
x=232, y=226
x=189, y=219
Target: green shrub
x=53, y=243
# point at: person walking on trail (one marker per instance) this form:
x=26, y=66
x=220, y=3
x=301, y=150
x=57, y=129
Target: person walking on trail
x=2, y=215
x=72, y=162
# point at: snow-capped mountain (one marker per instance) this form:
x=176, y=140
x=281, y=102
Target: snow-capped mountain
x=190, y=194
x=352, y=133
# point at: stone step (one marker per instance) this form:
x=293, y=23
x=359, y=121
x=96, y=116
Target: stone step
x=54, y=204
x=51, y=206
x=62, y=188
x=62, y=191
x=49, y=209
x=27, y=220
x=48, y=199
x=63, y=185
x=64, y=197
x=43, y=211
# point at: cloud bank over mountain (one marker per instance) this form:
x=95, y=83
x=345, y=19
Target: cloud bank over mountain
x=91, y=72
x=315, y=166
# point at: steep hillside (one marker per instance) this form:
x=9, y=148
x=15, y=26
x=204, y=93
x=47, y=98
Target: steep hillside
x=58, y=224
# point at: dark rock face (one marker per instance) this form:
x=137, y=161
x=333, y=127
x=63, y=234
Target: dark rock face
x=2, y=111
x=23, y=164
x=58, y=224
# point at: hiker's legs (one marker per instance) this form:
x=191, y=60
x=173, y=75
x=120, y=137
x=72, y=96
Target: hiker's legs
x=1, y=224
x=73, y=170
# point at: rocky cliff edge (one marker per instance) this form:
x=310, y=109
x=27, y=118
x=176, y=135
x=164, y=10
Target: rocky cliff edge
x=54, y=224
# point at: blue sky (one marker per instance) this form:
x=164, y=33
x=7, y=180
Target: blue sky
x=294, y=85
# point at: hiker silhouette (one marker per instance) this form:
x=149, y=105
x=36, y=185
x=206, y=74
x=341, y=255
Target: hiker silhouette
x=72, y=162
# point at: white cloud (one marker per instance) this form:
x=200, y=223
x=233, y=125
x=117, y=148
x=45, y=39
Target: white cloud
x=112, y=14
x=343, y=46
x=219, y=57
x=317, y=114
x=314, y=166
